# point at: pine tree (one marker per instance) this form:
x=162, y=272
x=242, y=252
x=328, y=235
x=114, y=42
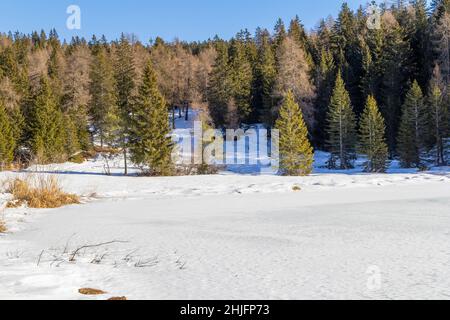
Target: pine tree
x=439, y=124
x=241, y=80
x=296, y=153
x=150, y=144
x=412, y=128
x=341, y=127
x=394, y=80
x=325, y=77
x=265, y=76
x=440, y=43
x=297, y=32
x=72, y=145
x=372, y=137
x=103, y=108
x=46, y=126
x=219, y=92
x=12, y=100
x=280, y=33
x=125, y=74
x=7, y=141
x=419, y=42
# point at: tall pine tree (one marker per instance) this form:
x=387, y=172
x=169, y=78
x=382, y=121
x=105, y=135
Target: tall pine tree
x=219, y=92
x=265, y=77
x=150, y=144
x=341, y=127
x=412, y=128
x=241, y=79
x=48, y=137
x=439, y=124
x=7, y=142
x=103, y=107
x=372, y=137
x=125, y=74
x=296, y=153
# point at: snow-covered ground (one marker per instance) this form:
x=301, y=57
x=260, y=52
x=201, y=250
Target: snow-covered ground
x=231, y=236
x=344, y=235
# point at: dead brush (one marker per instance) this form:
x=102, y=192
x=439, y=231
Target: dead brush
x=3, y=228
x=39, y=192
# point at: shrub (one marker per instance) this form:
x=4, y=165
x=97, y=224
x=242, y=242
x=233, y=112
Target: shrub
x=2, y=226
x=39, y=192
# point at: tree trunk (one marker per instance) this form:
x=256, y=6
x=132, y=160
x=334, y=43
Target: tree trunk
x=173, y=117
x=125, y=160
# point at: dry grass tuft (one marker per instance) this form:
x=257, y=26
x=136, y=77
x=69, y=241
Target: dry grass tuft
x=118, y=299
x=3, y=228
x=296, y=188
x=39, y=192
x=91, y=292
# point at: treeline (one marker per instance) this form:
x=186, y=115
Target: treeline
x=382, y=92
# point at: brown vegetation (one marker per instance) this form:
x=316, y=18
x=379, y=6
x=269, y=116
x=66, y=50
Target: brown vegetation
x=39, y=192
x=2, y=226
x=118, y=299
x=91, y=292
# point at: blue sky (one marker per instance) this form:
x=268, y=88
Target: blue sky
x=186, y=19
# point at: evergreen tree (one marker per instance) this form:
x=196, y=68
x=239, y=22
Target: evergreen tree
x=296, y=153
x=394, y=79
x=297, y=33
x=7, y=141
x=72, y=144
x=412, y=128
x=265, y=77
x=125, y=76
x=219, y=86
x=372, y=137
x=103, y=108
x=341, y=127
x=420, y=42
x=325, y=77
x=241, y=79
x=280, y=33
x=150, y=144
x=440, y=43
x=46, y=126
x=345, y=42
x=439, y=124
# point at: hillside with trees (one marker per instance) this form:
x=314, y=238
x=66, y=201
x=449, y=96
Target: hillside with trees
x=382, y=92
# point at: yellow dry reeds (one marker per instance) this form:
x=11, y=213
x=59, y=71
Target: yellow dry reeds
x=40, y=191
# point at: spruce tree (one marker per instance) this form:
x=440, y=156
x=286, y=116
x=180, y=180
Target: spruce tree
x=325, y=77
x=241, y=80
x=280, y=33
x=7, y=142
x=372, y=137
x=48, y=138
x=125, y=74
x=412, y=128
x=103, y=109
x=394, y=80
x=150, y=144
x=341, y=127
x=297, y=32
x=296, y=153
x=439, y=124
x=219, y=92
x=265, y=79
x=72, y=145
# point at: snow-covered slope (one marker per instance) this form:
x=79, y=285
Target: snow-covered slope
x=332, y=235
x=234, y=236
